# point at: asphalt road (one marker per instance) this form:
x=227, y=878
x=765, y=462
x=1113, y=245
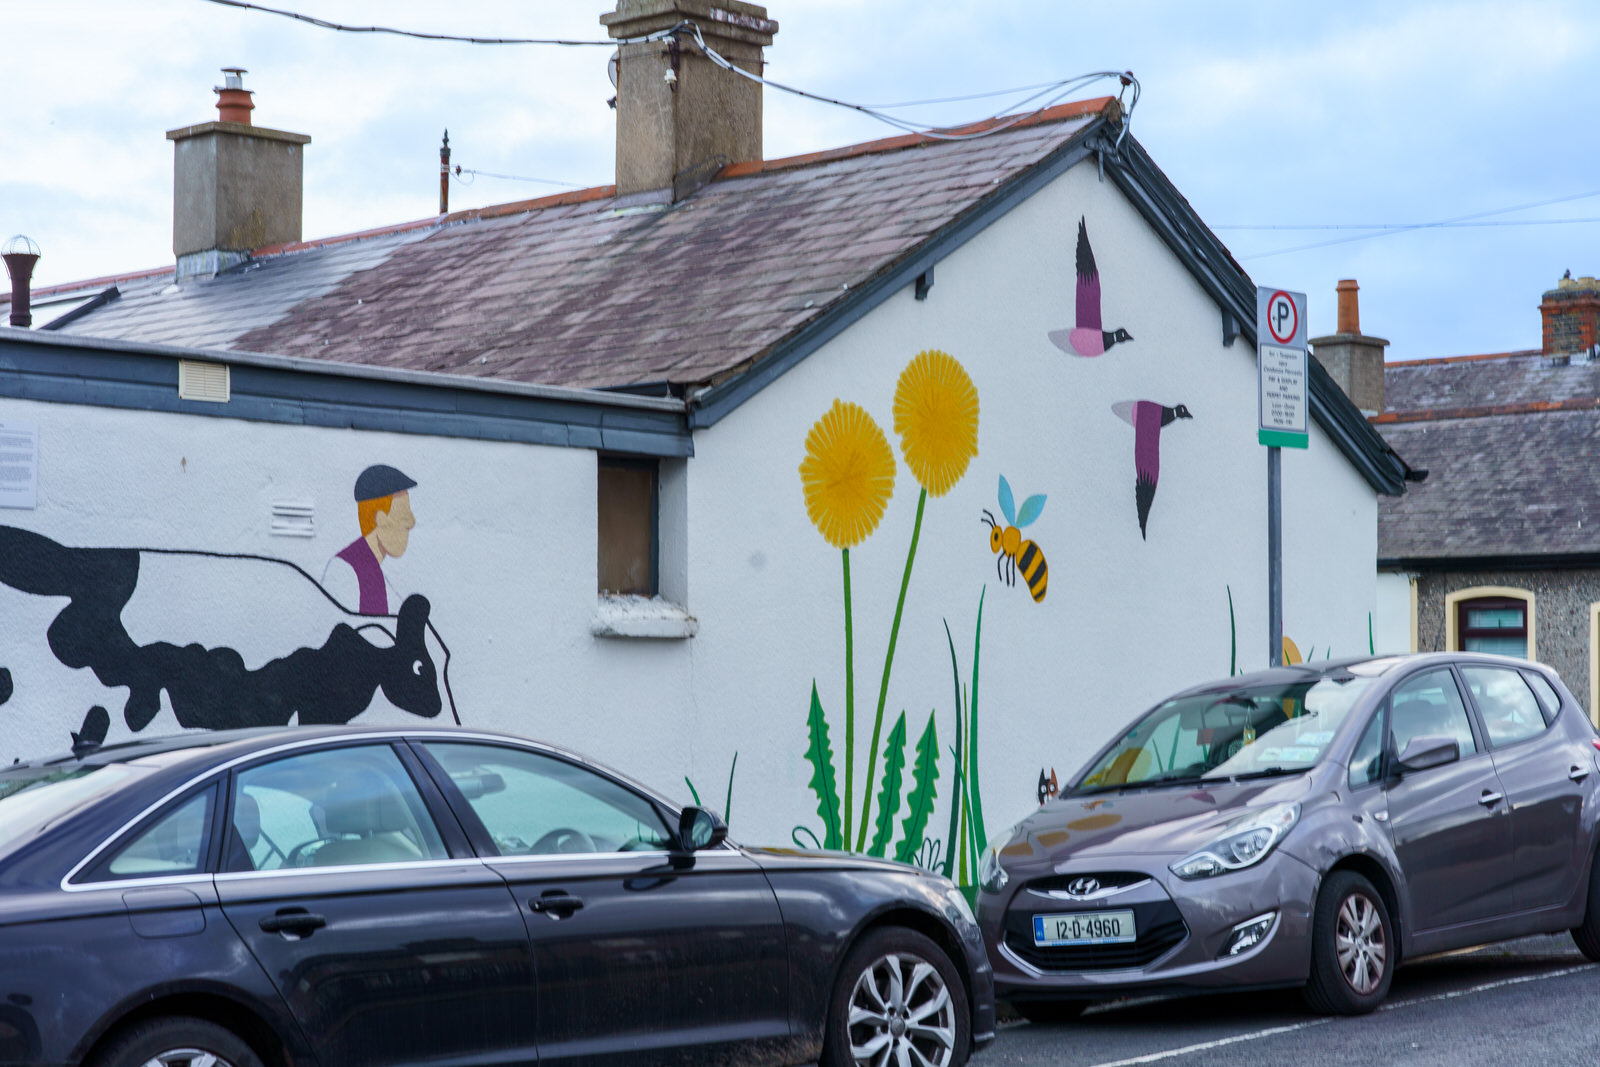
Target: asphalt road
x=1523, y=1002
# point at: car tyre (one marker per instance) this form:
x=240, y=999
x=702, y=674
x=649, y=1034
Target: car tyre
x=177, y=1041
x=1353, y=949
x=903, y=992
x=1049, y=1011
x=1587, y=933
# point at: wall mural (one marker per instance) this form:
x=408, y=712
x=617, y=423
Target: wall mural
x=848, y=477
x=1010, y=546
x=1147, y=418
x=1089, y=337
x=383, y=512
x=334, y=675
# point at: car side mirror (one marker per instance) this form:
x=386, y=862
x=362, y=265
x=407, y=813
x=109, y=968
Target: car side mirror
x=1432, y=750
x=700, y=828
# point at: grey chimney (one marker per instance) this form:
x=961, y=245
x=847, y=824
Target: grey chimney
x=680, y=117
x=1351, y=358
x=236, y=187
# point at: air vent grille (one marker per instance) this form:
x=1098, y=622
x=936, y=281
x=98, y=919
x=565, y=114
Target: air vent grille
x=208, y=382
x=293, y=518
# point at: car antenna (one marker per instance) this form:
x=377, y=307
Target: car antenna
x=83, y=746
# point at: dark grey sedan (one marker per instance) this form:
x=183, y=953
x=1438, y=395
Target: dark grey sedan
x=372, y=898
x=1305, y=826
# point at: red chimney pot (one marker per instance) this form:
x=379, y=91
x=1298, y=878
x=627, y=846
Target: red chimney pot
x=233, y=99
x=1349, y=308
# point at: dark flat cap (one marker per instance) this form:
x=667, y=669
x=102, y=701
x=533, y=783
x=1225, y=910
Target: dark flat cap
x=380, y=481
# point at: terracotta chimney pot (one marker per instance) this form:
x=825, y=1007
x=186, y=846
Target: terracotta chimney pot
x=1349, y=307
x=233, y=99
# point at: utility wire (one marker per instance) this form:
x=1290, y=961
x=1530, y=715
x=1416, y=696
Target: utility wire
x=459, y=171
x=1055, y=91
x=1441, y=224
x=1415, y=225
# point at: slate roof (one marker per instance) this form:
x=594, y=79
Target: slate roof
x=573, y=290
x=711, y=298
x=1511, y=443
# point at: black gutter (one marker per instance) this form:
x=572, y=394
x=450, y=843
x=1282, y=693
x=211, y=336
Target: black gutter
x=721, y=399
x=1517, y=562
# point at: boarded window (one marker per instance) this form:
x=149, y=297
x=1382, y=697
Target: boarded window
x=628, y=494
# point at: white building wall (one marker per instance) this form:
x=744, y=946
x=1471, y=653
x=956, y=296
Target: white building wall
x=1395, y=613
x=504, y=547
x=1126, y=619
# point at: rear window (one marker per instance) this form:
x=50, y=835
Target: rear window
x=33, y=798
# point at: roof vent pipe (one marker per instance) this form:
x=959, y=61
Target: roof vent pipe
x=20, y=254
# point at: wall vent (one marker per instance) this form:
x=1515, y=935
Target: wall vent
x=293, y=518
x=203, y=381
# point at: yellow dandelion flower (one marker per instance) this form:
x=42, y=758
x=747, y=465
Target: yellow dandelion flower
x=848, y=474
x=936, y=416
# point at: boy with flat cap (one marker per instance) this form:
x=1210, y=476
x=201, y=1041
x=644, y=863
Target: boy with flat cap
x=383, y=508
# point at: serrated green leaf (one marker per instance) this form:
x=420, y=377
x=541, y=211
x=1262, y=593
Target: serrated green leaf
x=894, y=765
x=923, y=793
x=823, y=783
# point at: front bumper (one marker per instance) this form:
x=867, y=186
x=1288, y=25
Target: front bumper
x=1183, y=926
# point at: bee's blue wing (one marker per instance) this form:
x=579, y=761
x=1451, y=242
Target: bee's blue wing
x=1030, y=510
x=1008, y=507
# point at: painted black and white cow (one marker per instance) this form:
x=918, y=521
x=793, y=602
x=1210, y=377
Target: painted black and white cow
x=217, y=640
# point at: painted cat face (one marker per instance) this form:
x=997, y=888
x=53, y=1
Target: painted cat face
x=394, y=526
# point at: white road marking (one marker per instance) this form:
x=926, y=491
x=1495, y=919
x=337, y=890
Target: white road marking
x=1206, y=1046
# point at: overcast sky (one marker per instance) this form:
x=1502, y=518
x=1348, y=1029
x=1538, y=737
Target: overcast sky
x=1261, y=114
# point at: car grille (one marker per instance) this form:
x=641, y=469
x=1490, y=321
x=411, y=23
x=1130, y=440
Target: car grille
x=1107, y=879
x=1160, y=929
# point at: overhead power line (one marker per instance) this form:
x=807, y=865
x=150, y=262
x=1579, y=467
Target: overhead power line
x=1417, y=225
x=1050, y=93
x=1449, y=223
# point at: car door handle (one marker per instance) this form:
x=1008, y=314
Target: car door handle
x=556, y=904
x=294, y=921
x=1490, y=799
x=1578, y=773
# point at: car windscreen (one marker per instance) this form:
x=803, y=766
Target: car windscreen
x=33, y=797
x=1230, y=731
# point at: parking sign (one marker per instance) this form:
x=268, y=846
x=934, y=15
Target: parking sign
x=1283, y=380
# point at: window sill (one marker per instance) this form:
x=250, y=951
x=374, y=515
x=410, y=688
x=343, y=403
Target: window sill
x=648, y=617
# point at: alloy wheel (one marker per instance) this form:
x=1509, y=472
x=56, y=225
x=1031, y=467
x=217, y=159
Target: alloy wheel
x=186, y=1057
x=901, y=1015
x=1360, y=943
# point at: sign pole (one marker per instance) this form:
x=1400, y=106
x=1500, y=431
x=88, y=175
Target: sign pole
x=1282, y=406
x=1275, y=556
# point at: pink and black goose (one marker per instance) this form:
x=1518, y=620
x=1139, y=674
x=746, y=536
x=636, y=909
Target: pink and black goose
x=1147, y=418
x=1088, y=338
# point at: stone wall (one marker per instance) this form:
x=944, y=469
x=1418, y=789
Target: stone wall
x=1561, y=615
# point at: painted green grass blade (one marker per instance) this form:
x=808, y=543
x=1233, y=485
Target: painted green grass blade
x=693, y=791
x=823, y=783
x=923, y=793
x=1372, y=648
x=970, y=785
x=1233, y=638
x=727, y=805
x=894, y=765
x=958, y=752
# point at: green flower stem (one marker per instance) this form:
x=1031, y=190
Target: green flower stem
x=883, y=688
x=849, y=702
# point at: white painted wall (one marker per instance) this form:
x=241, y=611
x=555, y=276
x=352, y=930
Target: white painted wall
x=1125, y=620
x=1394, y=611
x=505, y=544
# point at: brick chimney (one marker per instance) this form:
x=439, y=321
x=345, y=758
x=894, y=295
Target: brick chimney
x=1351, y=358
x=1571, y=313
x=236, y=187
x=679, y=116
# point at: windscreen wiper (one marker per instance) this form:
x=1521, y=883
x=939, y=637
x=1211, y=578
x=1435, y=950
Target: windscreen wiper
x=1265, y=772
x=1147, y=783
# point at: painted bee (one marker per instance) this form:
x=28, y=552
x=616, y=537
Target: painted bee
x=1007, y=540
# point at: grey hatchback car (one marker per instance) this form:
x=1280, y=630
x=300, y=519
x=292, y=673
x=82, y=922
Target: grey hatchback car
x=1304, y=826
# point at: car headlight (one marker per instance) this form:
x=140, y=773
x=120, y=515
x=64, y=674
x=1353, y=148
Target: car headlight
x=1243, y=844
x=991, y=876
